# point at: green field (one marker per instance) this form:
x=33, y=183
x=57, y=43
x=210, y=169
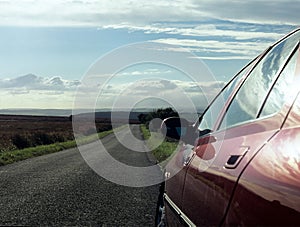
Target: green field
x=9, y=157
x=23, y=137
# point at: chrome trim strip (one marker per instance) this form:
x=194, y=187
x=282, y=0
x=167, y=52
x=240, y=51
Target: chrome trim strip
x=178, y=211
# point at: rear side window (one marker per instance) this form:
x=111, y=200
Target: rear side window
x=249, y=99
x=277, y=96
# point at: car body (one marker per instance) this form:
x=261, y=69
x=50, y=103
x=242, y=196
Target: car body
x=243, y=166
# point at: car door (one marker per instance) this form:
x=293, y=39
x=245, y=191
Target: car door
x=268, y=191
x=176, y=169
x=238, y=133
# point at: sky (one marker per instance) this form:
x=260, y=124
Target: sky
x=48, y=47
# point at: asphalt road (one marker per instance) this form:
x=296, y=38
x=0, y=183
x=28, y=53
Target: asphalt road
x=61, y=189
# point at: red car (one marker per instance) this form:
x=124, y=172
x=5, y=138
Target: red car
x=240, y=163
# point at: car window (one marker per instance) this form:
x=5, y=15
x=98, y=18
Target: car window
x=277, y=96
x=210, y=116
x=246, y=104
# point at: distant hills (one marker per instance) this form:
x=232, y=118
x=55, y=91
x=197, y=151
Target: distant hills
x=103, y=114
x=37, y=112
x=100, y=114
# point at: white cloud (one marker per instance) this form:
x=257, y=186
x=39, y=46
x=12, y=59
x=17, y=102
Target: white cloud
x=214, y=22
x=199, y=30
x=254, y=11
x=172, y=91
x=18, y=98
x=90, y=12
x=213, y=46
x=31, y=91
x=138, y=12
x=210, y=28
x=19, y=91
x=32, y=82
x=225, y=40
x=229, y=50
x=146, y=72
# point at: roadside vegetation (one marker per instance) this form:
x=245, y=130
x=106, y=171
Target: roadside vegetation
x=9, y=157
x=24, y=136
x=153, y=137
x=18, y=132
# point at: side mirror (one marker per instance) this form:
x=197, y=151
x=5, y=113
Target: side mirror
x=179, y=129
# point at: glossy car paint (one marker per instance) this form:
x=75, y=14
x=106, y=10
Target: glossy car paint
x=217, y=182
x=269, y=189
x=246, y=175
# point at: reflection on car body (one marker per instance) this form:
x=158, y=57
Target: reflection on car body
x=243, y=166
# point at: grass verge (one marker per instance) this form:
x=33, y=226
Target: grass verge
x=18, y=155
x=164, y=150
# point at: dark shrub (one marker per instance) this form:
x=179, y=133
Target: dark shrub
x=40, y=138
x=21, y=141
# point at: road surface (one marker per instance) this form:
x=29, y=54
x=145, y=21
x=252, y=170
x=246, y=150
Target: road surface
x=61, y=189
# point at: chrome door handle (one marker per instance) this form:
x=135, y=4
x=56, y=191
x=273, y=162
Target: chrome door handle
x=234, y=160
